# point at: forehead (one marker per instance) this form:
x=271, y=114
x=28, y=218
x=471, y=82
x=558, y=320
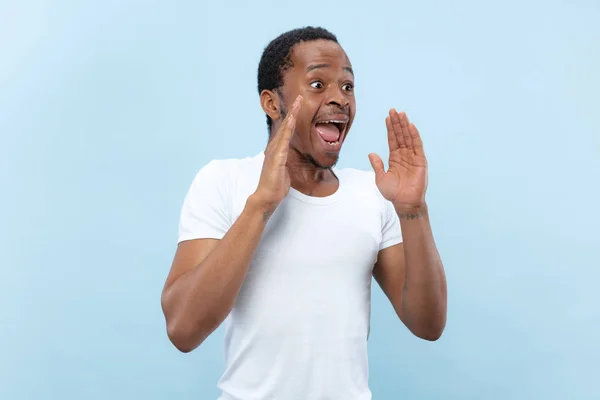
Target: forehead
x=318, y=51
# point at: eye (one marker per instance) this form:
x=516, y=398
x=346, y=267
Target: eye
x=317, y=85
x=348, y=87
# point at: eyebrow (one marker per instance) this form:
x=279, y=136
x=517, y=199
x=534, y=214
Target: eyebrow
x=317, y=66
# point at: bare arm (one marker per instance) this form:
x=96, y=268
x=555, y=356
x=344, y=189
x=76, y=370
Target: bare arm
x=206, y=277
x=412, y=276
x=207, y=274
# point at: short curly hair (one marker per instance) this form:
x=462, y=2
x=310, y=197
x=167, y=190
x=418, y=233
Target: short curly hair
x=276, y=57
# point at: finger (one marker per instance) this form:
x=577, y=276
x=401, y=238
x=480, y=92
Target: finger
x=284, y=127
x=404, y=129
x=377, y=165
x=416, y=139
x=289, y=126
x=281, y=145
x=396, y=124
x=393, y=143
x=296, y=106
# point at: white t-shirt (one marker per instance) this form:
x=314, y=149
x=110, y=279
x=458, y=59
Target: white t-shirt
x=299, y=327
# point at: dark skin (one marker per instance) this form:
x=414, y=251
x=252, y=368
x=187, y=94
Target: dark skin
x=322, y=75
x=207, y=274
x=411, y=274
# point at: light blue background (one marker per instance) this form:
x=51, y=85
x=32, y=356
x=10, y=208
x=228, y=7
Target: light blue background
x=108, y=109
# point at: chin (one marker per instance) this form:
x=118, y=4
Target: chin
x=325, y=155
x=331, y=159
x=324, y=160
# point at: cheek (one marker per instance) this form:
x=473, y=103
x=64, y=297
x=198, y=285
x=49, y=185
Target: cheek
x=352, y=112
x=303, y=131
x=305, y=121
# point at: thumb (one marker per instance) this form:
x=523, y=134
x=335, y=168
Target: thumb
x=377, y=165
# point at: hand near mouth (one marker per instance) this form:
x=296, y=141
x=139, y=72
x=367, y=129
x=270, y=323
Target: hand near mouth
x=405, y=182
x=274, y=183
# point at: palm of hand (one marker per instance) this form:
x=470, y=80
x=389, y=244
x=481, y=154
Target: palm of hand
x=405, y=181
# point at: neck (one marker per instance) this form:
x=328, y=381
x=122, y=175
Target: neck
x=308, y=177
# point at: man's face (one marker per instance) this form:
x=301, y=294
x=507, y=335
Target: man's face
x=322, y=74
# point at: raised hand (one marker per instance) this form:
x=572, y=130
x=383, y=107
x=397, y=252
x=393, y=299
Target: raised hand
x=274, y=183
x=405, y=182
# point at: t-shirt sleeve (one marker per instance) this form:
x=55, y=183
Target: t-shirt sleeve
x=390, y=233
x=205, y=213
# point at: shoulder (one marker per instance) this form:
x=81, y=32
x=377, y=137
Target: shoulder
x=223, y=166
x=226, y=171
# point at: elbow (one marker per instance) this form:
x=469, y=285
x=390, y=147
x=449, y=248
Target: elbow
x=179, y=337
x=425, y=323
x=182, y=346
x=433, y=330
x=182, y=337
x=186, y=330
x=180, y=332
x=430, y=329
x=431, y=335
x=179, y=329
x=187, y=334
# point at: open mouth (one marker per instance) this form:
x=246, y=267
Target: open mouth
x=331, y=130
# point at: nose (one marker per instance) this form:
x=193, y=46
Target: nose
x=336, y=96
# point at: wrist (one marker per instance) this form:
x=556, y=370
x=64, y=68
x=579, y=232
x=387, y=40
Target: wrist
x=256, y=205
x=411, y=211
x=406, y=208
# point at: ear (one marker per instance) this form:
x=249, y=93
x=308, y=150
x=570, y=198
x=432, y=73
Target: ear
x=270, y=103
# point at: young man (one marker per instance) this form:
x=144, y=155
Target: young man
x=282, y=246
